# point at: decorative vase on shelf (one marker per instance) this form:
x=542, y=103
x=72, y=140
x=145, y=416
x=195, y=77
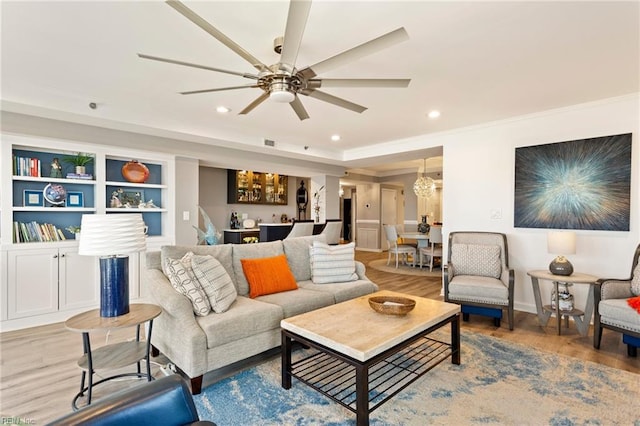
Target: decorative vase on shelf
x=423, y=227
x=135, y=172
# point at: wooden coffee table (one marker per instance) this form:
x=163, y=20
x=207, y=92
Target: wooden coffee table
x=361, y=358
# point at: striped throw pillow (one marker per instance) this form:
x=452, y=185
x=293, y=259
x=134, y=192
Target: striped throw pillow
x=332, y=264
x=215, y=282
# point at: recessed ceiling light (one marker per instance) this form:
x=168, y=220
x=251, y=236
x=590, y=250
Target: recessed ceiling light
x=223, y=109
x=335, y=138
x=434, y=114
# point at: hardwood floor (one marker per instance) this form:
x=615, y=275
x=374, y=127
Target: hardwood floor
x=39, y=376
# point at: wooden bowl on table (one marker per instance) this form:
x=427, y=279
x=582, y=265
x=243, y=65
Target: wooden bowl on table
x=392, y=305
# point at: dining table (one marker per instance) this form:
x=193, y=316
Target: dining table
x=421, y=239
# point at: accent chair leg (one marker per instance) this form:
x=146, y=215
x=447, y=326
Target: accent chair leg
x=154, y=351
x=597, y=335
x=196, y=385
x=465, y=317
x=510, y=315
x=496, y=322
x=632, y=351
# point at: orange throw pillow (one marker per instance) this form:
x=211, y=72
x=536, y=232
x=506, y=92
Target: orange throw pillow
x=268, y=275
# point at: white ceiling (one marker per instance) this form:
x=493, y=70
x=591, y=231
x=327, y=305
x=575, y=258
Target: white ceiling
x=474, y=61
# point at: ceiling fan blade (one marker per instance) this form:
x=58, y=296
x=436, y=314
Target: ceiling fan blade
x=297, y=106
x=260, y=99
x=220, y=89
x=334, y=100
x=359, y=82
x=365, y=49
x=188, y=64
x=296, y=22
x=199, y=21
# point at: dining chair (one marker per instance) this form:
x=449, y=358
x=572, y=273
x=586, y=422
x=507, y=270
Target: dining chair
x=301, y=228
x=398, y=249
x=434, y=249
x=331, y=231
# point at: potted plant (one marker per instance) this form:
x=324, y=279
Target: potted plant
x=75, y=230
x=79, y=161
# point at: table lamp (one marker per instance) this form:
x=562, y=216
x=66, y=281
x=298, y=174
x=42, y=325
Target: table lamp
x=561, y=243
x=113, y=237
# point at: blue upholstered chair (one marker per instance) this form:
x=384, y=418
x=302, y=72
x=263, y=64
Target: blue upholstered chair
x=166, y=401
x=477, y=275
x=612, y=310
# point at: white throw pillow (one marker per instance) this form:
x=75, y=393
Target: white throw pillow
x=476, y=259
x=215, y=282
x=184, y=281
x=332, y=264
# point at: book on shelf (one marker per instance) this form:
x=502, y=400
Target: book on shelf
x=27, y=232
x=26, y=166
x=79, y=176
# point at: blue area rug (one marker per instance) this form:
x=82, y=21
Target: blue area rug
x=497, y=383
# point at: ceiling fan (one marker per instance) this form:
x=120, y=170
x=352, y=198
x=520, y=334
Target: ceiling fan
x=282, y=81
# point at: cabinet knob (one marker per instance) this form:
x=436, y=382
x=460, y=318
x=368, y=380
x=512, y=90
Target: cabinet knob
x=62, y=255
x=55, y=256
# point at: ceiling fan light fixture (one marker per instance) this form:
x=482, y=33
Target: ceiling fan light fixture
x=282, y=96
x=280, y=92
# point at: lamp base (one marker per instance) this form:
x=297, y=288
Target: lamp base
x=114, y=286
x=561, y=266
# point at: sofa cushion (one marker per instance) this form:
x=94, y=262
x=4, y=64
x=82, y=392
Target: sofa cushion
x=221, y=252
x=474, y=288
x=268, y=275
x=298, y=301
x=342, y=292
x=251, y=251
x=476, y=259
x=297, y=251
x=184, y=281
x=215, y=282
x=245, y=318
x=333, y=264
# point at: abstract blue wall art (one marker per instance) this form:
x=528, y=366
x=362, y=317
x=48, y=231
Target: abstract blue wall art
x=580, y=184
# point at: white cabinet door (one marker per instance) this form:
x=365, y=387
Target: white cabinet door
x=79, y=278
x=32, y=282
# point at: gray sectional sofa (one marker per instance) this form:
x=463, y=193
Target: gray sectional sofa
x=198, y=344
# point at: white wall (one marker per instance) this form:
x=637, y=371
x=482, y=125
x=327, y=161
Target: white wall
x=479, y=177
x=186, y=200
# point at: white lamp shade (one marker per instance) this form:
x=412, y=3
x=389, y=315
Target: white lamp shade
x=559, y=242
x=112, y=234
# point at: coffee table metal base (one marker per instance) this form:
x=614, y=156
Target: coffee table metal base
x=362, y=387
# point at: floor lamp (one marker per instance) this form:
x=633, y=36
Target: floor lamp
x=112, y=237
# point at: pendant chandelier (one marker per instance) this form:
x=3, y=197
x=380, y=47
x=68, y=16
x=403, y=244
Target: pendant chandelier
x=424, y=186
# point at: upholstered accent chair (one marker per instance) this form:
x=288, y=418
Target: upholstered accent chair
x=403, y=250
x=301, y=228
x=477, y=275
x=612, y=310
x=331, y=231
x=166, y=401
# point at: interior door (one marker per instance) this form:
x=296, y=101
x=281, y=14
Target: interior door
x=389, y=207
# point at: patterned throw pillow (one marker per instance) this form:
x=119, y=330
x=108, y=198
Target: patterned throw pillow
x=635, y=280
x=182, y=279
x=476, y=259
x=332, y=264
x=215, y=282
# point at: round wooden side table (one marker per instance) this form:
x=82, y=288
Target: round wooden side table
x=114, y=355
